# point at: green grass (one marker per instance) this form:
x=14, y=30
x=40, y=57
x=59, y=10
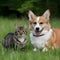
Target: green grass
x=8, y=25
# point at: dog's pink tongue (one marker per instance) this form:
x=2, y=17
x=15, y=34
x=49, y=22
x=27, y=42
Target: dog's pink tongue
x=38, y=33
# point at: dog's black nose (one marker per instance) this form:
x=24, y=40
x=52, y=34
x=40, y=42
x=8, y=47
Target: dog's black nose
x=37, y=28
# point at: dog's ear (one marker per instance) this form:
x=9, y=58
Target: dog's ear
x=31, y=15
x=46, y=14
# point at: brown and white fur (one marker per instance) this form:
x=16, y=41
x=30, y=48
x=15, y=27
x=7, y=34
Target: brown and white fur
x=42, y=36
x=16, y=39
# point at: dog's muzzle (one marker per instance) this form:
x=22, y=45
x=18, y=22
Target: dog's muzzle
x=37, y=28
x=38, y=32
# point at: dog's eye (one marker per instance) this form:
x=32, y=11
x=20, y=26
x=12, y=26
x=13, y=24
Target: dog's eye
x=35, y=23
x=41, y=23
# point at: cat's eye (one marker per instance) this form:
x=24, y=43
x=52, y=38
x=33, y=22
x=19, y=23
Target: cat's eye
x=35, y=22
x=23, y=31
x=18, y=31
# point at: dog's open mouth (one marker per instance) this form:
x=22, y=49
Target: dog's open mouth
x=37, y=32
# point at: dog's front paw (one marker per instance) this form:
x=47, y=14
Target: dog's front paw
x=35, y=49
x=45, y=49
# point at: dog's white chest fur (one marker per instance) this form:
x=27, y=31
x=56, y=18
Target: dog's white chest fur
x=39, y=42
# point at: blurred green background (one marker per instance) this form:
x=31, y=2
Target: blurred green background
x=19, y=8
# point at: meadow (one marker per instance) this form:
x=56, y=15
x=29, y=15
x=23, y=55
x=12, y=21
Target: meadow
x=8, y=25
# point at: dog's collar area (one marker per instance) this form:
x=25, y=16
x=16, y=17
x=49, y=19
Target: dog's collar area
x=39, y=35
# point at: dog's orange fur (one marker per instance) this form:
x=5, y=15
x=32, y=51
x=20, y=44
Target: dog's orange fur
x=54, y=41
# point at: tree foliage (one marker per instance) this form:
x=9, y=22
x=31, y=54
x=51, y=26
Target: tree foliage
x=38, y=6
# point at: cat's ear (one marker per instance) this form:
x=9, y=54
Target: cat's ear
x=25, y=27
x=16, y=26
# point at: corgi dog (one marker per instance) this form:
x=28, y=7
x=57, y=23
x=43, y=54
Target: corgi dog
x=42, y=36
x=16, y=39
